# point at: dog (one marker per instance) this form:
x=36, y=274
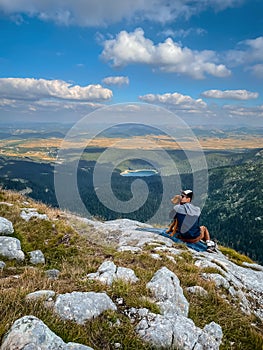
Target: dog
x=173, y=225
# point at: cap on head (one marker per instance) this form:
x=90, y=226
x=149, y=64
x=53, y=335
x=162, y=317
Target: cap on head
x=188, y=193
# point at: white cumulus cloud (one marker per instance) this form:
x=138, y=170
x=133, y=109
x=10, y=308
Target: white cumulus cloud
x=177, y=100
x=116, y=80
x=103, y=12
x=247, y=112
x=168, y=56
x=257, y=70
x=255, y=51
x=230, y=94
x=37, y=89
x=248, y=53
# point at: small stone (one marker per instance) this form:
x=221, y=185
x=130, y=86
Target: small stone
x=41, y=294
x=2, y=265
x=197, y=290
x=37, y=257
x=119, y=301
x=156, y=256
x=28, y=213
x=53, y=274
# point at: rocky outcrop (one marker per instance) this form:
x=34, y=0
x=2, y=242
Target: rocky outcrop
x=172, y=328
x=178, y=333
x=244, y=283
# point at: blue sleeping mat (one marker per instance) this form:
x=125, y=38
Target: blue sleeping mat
x=198, y=246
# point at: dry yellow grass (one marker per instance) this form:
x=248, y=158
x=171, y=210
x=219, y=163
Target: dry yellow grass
x=38, y=149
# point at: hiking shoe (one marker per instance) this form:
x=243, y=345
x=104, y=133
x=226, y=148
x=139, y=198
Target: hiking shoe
x=211, y=246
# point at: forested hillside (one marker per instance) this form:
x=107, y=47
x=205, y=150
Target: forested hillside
x=233, y=210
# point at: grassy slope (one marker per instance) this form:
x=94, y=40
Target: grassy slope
x=76, y=255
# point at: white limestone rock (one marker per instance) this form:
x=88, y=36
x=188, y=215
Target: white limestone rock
x=108, y=272
x=178, y=332
x=6, y=227
x=30, y=333
x=82, y=306
x=28, y=213
x=168, y=293
x=41, y=294
x=53, y=274
x=37, y=257
x=197, y=290
x=10, y=248
x=219, y=280
x=243, y=282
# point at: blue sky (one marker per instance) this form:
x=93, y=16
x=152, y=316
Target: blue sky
x=62, y=59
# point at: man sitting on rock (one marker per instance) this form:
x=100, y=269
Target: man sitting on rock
x=187, y=216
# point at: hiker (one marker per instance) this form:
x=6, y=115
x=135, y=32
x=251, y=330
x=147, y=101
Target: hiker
x=187, y=216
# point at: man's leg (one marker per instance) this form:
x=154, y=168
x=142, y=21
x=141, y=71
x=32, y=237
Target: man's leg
x=211, y=246
x=204, y=233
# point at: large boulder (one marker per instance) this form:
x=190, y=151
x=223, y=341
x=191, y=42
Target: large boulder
x=10, y=248
x=30, y=333
x=165, y=286
x=82, y=306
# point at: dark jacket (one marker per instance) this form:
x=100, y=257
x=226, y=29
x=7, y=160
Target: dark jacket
x=188, y=219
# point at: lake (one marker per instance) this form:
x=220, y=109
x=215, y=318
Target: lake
x=139, y=172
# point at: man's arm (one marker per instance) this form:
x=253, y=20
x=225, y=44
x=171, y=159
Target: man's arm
x=175, y=200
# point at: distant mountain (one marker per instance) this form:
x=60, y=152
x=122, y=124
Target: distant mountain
x=227, y=132
x=130, y=129
x=32, y=135
x=33, y=130
x=43, y=135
